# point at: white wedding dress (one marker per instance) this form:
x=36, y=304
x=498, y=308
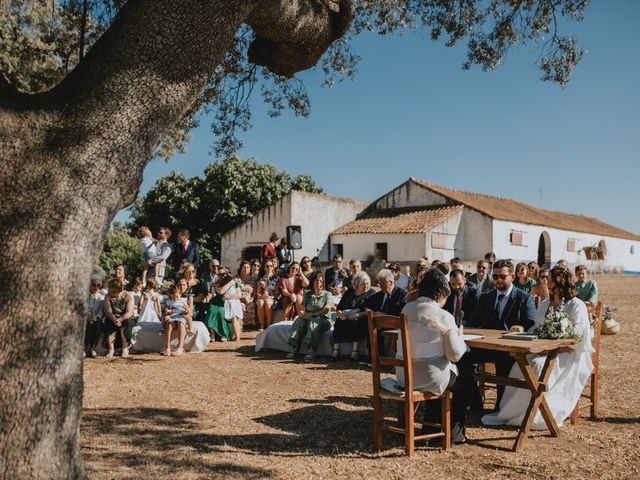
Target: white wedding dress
x=566, y=382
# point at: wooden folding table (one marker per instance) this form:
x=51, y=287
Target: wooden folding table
x=519, y=349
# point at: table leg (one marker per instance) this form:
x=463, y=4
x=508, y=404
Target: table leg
x=537, y=387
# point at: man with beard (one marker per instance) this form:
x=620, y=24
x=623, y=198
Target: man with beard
x=462, y=301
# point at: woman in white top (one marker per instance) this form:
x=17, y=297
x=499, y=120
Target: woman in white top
x=436, y=344
x=571, y=371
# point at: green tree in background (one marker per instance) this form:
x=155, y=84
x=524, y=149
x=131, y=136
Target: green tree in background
x=120, y=248
x=231, y=192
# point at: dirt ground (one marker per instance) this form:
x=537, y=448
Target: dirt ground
x=232, y=413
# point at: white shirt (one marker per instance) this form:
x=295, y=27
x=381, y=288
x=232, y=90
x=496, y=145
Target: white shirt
x=503, y=303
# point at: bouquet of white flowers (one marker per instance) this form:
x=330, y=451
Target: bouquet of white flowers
x=557, y=324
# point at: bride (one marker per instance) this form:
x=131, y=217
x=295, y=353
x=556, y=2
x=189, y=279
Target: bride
x=571, y=371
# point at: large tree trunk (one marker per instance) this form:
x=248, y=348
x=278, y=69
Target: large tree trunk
x=70, y=159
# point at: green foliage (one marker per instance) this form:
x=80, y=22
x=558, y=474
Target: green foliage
x=41, y=40
x=232, y=191
x=120, y=248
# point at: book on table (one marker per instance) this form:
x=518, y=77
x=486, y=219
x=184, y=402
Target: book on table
x=520, y=336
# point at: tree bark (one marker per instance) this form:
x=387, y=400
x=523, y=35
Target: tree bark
x=71, y=158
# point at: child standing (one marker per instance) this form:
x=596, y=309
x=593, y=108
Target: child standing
x=149, y=249
x=150, y=310
x=176, y=307
x=230, y=290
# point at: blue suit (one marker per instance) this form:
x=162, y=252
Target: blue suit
x=519, y=309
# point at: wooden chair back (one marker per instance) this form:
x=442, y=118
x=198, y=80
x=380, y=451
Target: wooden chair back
x=595, y=313
x=409, y=398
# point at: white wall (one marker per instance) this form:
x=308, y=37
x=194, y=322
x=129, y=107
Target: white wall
x=451, y=229
x=317, y=214
x=256, y=230
x=401, y=247
x=618, y=256
x=410, y=194
x=476, y=236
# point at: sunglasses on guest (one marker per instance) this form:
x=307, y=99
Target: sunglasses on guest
x=500, y=276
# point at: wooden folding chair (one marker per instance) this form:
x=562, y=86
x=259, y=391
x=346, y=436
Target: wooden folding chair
x=595, y=312
x=410, y=399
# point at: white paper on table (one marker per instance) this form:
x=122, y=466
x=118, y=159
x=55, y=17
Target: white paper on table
x=469, y=336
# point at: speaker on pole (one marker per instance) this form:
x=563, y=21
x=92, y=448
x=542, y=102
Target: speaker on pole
x=294, y=237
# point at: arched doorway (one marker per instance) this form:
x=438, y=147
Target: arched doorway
x=602, y=246
x=544, y=249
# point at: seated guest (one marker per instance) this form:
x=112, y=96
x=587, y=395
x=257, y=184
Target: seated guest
x=351, y=321
x=247, y=286
x=481, y=279
x=436, y=344
x=586, y=289
x=265, y=293
x=290, y=289
x=283, y=254
x=355, y=267
x=563, y=263
x=306, y=268
x=571, y=370
x=120, y=272
x=401, y=280
x=463, y=298
x=534, y=270
x=336, y=276
x=490, y=258
x=95, y=314
x=421, y=268
x=210, y=277
x=540, y=291
x=456, y=264
x=313, y=320
x=523, y=281
x=501, y=309
x=269, y=249
x=390, y=299
x=174, y=316
x=118, y=313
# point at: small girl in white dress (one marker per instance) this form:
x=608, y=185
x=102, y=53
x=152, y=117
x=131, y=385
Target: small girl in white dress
x=150, y=310
x=175, y=309
x=149, y=250
x=229, y=288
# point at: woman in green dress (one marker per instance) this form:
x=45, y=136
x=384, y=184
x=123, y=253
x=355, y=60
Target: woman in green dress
x=523, y=281
x=313, y=320
x=214, y=319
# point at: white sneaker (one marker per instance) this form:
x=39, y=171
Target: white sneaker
x=125, y=352
x=110, y=353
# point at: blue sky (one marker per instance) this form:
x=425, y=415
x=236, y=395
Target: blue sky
x=413, y=112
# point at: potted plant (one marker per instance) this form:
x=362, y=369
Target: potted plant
x=594, y=252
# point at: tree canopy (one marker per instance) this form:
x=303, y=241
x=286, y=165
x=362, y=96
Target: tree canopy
x=44, y=39
x=232, y=191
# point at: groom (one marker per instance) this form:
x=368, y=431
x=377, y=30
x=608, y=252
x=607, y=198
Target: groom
x=500, y=309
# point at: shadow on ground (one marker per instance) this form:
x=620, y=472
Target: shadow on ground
x=327, y=427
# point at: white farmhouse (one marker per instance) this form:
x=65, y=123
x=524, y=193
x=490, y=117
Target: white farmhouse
x=419, y=219
x=317, y=214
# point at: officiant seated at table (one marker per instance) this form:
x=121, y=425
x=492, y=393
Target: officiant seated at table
x=501, y=309
x=436, y=343
x=563, y=315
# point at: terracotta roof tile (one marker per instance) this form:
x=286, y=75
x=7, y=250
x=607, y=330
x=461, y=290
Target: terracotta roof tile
x=399, y=221
x=514, y=211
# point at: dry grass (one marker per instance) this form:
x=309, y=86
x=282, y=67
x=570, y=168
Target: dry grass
x=231, y=413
